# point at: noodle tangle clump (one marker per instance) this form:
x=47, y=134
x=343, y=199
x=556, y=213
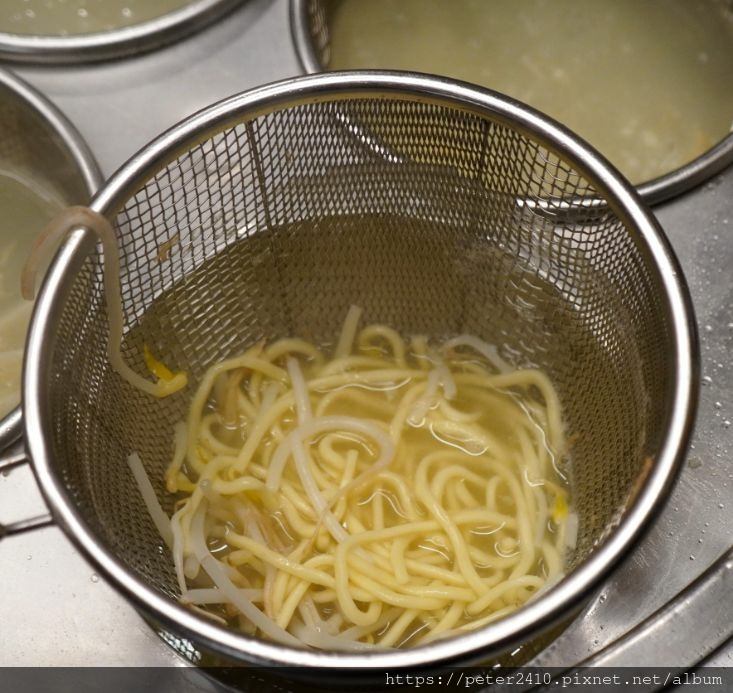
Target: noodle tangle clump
x=380, y=494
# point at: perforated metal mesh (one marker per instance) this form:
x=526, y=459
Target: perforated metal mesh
x=434, y=219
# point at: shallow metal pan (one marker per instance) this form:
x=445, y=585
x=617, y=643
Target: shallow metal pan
x=309, y=30
x=129, y=40
x=64, y=161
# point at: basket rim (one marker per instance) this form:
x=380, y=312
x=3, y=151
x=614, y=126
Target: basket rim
x=87, y=169
x=133, y=39
x=540, y=613
x=664, y=187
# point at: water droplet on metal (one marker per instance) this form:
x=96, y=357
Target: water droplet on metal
x=94, y=578
x=707, y=380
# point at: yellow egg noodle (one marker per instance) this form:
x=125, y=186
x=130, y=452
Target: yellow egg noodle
x=385, y=495
x=388, y=495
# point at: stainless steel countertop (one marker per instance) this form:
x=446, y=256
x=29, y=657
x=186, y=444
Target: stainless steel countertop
x=55, y=611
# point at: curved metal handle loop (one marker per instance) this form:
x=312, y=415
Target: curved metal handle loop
x=12, y=461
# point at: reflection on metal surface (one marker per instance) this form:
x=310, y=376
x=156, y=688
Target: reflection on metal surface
x=704, y=608
x=686, y=630
x=15, y=457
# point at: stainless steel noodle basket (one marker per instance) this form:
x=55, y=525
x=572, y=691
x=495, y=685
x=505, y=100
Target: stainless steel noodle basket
x=269, y=213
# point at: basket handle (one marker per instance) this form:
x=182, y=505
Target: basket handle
x=20, y=526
